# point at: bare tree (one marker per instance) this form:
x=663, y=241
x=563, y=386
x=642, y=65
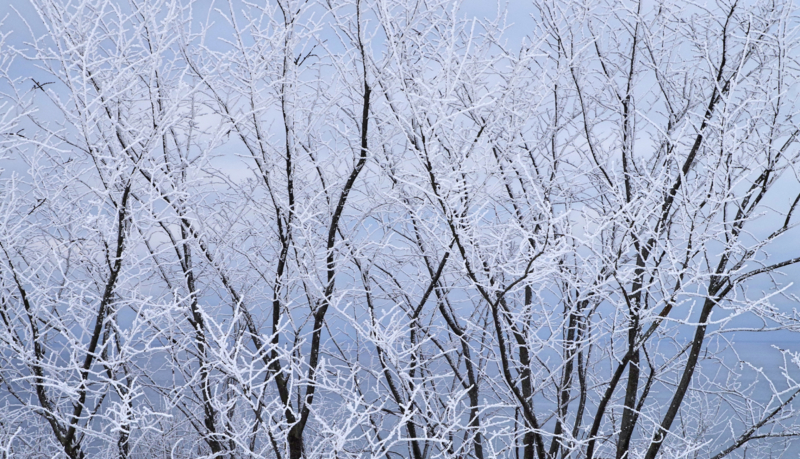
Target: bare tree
x=368, y=228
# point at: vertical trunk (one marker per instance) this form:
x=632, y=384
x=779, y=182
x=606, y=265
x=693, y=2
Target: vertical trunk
x=198, y=323
x=295, y=443
x=629, y=414
x=570, y=348
x=529, y=441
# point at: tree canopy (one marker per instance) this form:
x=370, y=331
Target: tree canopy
x=372, y=228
